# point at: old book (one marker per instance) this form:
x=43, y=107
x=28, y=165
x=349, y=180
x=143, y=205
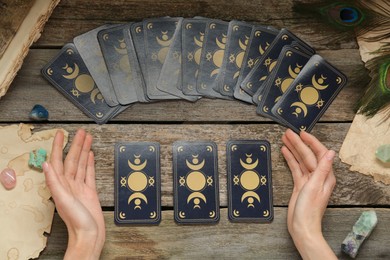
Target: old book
x=21, y=23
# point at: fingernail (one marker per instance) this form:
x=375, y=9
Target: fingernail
x=330, y=155
x=45, y=166
x=8, y=178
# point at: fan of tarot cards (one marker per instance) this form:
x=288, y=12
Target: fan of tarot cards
x=109, y=68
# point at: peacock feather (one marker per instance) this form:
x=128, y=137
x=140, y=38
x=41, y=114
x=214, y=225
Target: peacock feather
x=377, y=94
x=370, y=21
x=351, y=18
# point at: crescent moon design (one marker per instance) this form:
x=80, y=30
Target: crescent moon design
x=236, y=213
x=257, y=33
x=235, y=28
x=198, y=42
x=263, y=148
x=94, y=93
x=182, y=214
x=338, y=80
x=212, y=25
x=138, y=29
x=302, y=128
x=105, y=36
x=149, y=26
x=214, y=72
x=242, y=45
x=226, y=88
x=234, y=147
x=69, y=51
x=316, y=84
x=288, y=53
x=249, y=166
x=180, y=149
x=209, y=148
x=151, y=148
x=153, y=214
x=74, y=74
x=188, y=26
x=122, y=215
x=265, y=213
x=122, y=149
x=280, y=111
x=137, y=195
x=49, y=71
x=300, y=105
x=196, y=195
x=137, y=167
x=195, y=167
x=99, y=114
x=220, y=44
x=250, y=194
x=291, y=72
x=120, y=50
x=212, y=214
x=166, y=43
x=265, y=109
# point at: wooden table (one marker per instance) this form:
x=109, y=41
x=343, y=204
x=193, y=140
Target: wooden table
x=216, y=120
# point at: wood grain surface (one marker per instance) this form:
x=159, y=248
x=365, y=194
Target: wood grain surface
x=214, y=120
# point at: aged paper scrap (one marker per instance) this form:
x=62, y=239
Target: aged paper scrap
x=26, y=212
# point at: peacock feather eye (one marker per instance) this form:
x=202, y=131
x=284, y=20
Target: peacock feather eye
x=343, y=14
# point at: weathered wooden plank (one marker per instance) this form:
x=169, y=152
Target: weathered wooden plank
x=72, y=18
x=223, y=240
x=30, y=88
x=351, y=189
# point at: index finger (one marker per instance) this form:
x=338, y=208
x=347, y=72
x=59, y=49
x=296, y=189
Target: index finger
x=315, y=145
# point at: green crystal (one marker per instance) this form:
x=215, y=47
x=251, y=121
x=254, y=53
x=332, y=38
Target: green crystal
x=37, y=158
x=360, y=231
x=383, y=153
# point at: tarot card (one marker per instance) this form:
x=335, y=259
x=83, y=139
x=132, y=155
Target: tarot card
x=192, y=43
x=170, y=75
x=290, y=63
x=137, y=183
x=114, y=49
x=249, y=181
x=260, y=39
x=68, y=73
x=211, y=58
x=136, y=39
x=268, y=61
x=237, y=45
x=88, y=46
x=158, y=38
x=309, y=95
x=195, y=182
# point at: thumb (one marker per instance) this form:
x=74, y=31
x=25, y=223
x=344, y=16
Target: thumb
x=324, y=167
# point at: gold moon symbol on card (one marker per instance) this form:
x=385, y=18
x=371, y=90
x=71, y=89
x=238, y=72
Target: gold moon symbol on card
x=153, y=214
x=221, y=44
x=226, y=88
x=137, y=196
x=69, y=51
x=257, y=33
x=338, y=80
x=196, y=196
x=248, y=165
x=236, y=213
x=309, y=95
x=250, y=195
x=73, y=73
x=137, y=181
x=99, y=114
x=188, y=26
x=199, y=42
x=122, y=215
x=212, y=214
x=49, y=71
x=96, y=94
x=209, y=148
x=288, y=53
x=195, y=165
x=284, y=37
x=300, y=107
x=212, y=25
x=138, y=29
x=122, y=47
x=234, y=147
x=149, y=26
x=265, y=213
x=105, y=36
x=265, y=109
x=151, y=148
x=196, y=181
x=249, y=180
x=137, y=166
x=280, y=111
x=180, y=149
x=164, y=41
x=318, y=83
x=182, y=214
x=263, y=148
x=294, y=73
x=122, y=149
x=235, y=28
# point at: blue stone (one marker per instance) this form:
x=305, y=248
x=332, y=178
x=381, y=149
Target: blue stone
x=39, y=113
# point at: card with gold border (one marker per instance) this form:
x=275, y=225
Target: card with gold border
x=249, y=181
x=137, y=183
x=195, y=182
x=68, y=73
x=309, y=95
